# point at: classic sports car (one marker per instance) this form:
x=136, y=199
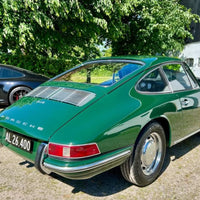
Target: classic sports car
x=15, y=82
x=119, y=111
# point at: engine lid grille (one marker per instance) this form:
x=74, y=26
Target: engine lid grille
x=65, y=95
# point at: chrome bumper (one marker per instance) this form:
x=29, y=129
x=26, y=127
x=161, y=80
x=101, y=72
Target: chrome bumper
x=89, y=170
x=94, y=165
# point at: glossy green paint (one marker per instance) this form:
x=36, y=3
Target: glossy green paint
x=43, y=124
x=188, y=122
x=103, y=125
x=113, y=119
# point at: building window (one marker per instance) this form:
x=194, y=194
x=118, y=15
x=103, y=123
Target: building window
x=190, y=62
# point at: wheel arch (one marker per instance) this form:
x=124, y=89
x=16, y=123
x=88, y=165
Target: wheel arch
x=133, y=168
x=16, y=86
x=163, y=121
x=166, y=126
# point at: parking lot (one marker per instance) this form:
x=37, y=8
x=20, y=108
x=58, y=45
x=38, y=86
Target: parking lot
x=179, y=179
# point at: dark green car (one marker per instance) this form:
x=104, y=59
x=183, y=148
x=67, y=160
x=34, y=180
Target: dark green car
x=119, y=111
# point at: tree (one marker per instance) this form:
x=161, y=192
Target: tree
x=58, y=28
x=154, y=27
x=73, y=29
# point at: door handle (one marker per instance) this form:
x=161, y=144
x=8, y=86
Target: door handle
x=185, y=102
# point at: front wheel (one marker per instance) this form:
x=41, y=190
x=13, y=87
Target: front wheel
x=146, y=162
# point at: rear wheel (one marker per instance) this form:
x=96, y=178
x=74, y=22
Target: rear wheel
x=146, y=162
x=17, y=93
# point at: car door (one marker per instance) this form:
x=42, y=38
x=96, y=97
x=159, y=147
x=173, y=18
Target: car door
x=185, y=86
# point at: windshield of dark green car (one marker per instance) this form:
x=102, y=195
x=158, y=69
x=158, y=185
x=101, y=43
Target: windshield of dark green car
x=100, y=73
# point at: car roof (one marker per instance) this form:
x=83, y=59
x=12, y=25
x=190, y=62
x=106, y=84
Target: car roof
x=22, y=70
x=147, y=60
x=16, y=68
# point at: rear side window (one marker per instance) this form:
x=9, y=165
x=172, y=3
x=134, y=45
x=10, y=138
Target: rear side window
x=9, y=73
x=191, y=77
x=153, y=82
x=177, y=77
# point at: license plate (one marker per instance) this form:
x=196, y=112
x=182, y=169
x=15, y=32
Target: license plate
x=19, y=141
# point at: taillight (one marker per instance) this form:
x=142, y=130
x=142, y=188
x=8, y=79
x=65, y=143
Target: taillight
x=76, y=151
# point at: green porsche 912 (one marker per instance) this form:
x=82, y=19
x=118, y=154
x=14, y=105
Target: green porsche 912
x=117, y=111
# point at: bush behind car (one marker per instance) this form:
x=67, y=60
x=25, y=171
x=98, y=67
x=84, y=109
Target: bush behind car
x=41, y=65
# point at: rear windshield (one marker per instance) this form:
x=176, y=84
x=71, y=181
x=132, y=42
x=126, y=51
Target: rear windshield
x=100, y=73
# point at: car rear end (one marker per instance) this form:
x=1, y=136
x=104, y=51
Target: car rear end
x=44, y=127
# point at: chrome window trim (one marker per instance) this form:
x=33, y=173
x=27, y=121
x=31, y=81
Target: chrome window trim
x=187, y=74
x=191, y=75
x=166, y=80
x=131, y=61
x=154, y=93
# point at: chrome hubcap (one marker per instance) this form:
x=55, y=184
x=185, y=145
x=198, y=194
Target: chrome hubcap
x=151, y=153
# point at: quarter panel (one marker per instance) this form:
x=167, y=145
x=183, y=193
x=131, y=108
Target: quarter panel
x=116, y=120
x=191, y=111
x=106, y=122
x=164, y=105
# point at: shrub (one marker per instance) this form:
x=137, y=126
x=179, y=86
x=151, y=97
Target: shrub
x=41, y=65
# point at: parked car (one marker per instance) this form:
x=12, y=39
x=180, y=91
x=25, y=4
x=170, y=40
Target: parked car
x=15, y=82
x=119, y=111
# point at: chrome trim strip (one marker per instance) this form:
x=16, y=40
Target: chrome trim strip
x=162, y=75
x=89, y=166
x=187, y=136
x=114, y=60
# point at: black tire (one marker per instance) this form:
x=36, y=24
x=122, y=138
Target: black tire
x=18, y=93
x=146, y=161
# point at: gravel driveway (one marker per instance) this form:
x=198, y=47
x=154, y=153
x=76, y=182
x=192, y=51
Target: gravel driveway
x=179, y=180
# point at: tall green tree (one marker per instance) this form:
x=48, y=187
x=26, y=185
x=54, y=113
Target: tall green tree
x=154, y=27
x=73, y=29
x=59, y=28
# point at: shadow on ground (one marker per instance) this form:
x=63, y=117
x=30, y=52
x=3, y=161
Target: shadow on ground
x=105, y=184
x=112, y=182
x=181, y=149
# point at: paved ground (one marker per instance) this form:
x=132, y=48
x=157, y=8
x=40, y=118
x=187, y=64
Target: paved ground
x=179, y=180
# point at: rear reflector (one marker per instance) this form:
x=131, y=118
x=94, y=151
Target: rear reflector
x=77, y=151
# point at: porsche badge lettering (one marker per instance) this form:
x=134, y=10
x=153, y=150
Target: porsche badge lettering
x=24, y=123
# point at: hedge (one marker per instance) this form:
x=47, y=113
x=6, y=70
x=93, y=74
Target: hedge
x=42, y=65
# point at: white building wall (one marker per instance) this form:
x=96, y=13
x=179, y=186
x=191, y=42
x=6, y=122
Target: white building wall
x=191, y=54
